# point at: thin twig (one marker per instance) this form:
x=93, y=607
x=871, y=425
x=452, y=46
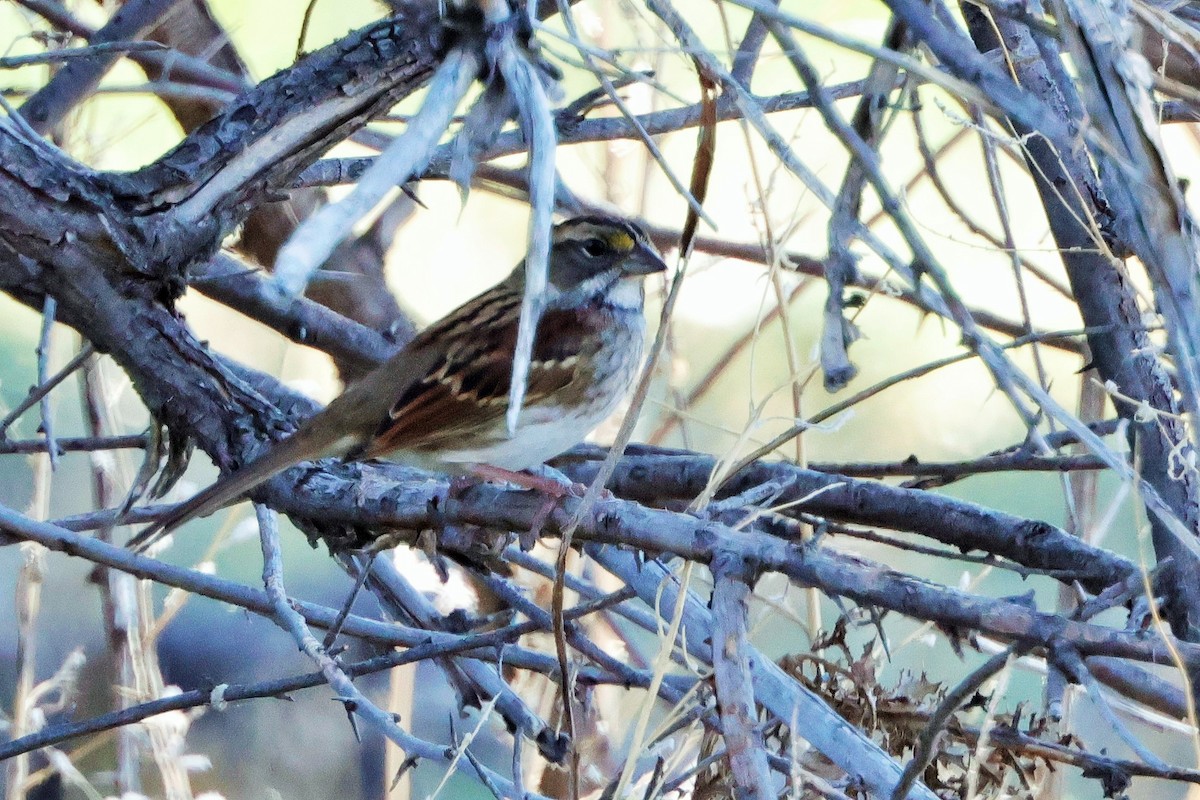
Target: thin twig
x=66, y=54
x=45, y=387
x=925, y=749
x=49, y=311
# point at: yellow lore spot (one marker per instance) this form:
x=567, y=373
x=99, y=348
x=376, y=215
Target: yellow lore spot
x=620, y=241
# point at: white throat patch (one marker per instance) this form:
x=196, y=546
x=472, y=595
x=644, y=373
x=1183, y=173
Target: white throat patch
x=627, y=294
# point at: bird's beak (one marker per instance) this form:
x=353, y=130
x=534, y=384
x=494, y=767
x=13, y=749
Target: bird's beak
x=643, y=260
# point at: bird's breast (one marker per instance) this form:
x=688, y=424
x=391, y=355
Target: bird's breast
x=605, y=370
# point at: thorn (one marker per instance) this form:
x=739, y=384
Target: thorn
x=405, y=766
x=351, y=705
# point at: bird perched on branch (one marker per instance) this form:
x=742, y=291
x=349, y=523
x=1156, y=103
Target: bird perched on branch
x=440, y=402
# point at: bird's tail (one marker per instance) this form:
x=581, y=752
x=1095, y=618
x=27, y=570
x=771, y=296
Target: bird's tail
x=301, y=446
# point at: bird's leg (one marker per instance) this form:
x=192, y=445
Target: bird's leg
x=544, y=479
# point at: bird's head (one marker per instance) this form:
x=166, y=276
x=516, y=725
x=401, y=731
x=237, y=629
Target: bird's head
x=595, y=255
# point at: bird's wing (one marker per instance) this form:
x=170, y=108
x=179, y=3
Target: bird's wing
x=466, y=390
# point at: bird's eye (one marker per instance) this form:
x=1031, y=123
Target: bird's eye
x=596, y=247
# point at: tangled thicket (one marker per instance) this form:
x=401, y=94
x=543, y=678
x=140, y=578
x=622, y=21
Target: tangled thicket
x=692, y=551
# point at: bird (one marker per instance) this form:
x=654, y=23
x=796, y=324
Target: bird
x=440, y=402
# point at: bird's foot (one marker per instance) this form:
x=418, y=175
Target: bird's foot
x=459, y=485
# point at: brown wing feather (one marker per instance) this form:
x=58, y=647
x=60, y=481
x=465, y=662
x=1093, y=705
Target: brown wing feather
x=468, y=388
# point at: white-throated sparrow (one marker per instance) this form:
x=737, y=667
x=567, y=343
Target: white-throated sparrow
x=440, y=402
